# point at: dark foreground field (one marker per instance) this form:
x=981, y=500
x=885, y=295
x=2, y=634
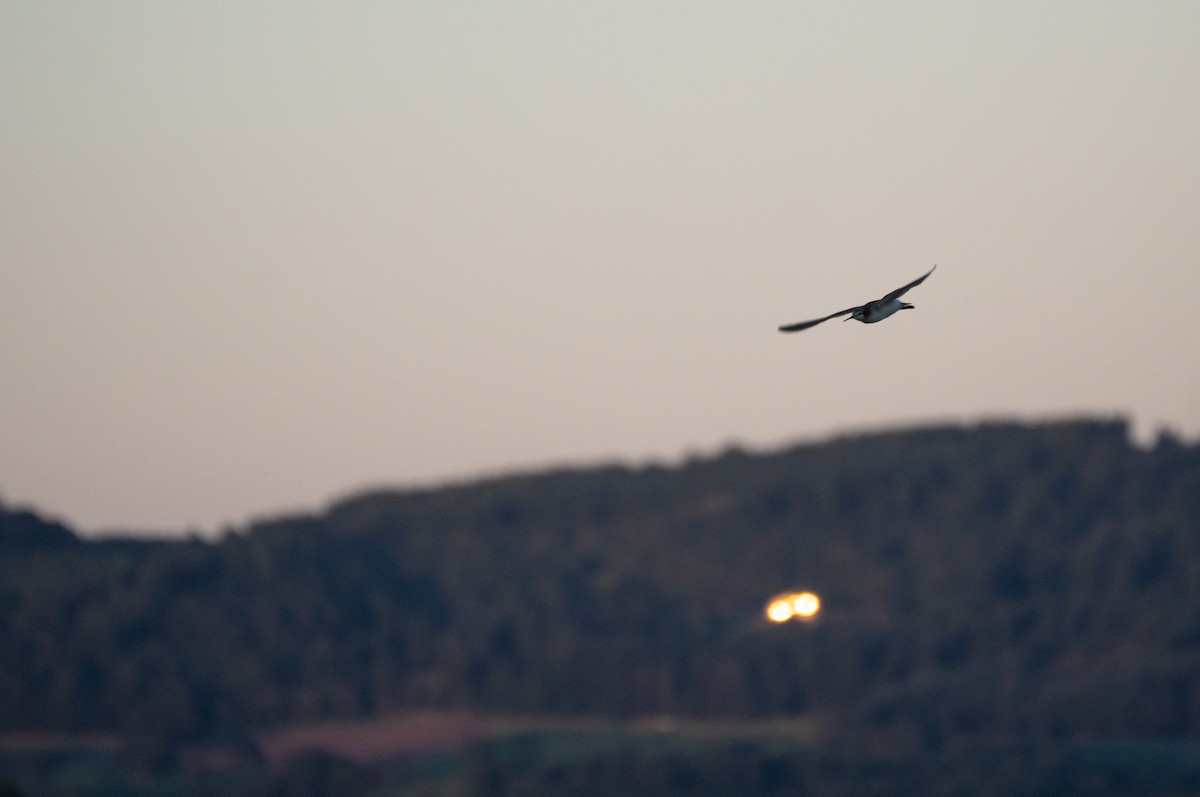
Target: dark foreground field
x=456, y=754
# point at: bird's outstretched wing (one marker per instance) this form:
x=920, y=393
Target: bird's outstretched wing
x=798, y=327
x=896, y=294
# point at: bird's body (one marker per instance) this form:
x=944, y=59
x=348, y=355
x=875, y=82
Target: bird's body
x=879, y=310
x=869, y=313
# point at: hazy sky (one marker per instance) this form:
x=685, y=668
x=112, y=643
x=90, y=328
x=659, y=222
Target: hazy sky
x=257, y=256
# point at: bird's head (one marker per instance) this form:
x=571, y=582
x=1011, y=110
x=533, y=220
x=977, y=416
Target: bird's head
x=857, y=315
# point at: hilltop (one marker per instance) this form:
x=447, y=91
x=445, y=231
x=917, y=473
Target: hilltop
x=982, y=586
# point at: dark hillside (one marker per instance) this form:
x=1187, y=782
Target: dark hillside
x=982, y=586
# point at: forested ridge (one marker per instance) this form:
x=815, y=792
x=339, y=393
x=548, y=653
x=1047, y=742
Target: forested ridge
x=982, y=586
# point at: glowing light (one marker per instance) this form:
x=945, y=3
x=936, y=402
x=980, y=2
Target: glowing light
x=806, y=604
x=793, y=606
x=780, y=610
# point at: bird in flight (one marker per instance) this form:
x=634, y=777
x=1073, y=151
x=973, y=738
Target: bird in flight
x=870, y=312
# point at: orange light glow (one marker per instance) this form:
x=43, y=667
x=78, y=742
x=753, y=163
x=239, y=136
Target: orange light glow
x=806, y=604
x=780, y=610
x=793, y=606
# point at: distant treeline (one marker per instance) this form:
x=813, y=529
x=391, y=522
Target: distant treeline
x=982, y=586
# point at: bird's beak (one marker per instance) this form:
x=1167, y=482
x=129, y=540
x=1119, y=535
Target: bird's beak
x=847, y=318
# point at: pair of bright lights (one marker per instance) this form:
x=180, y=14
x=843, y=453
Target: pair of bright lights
x=793, y=606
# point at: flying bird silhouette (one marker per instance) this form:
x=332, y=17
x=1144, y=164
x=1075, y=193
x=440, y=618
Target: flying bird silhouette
x=870, y=312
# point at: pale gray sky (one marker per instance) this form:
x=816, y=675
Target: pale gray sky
x=256, y=256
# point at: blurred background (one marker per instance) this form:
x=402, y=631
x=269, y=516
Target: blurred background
x=392, y=401
x=255, y=258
